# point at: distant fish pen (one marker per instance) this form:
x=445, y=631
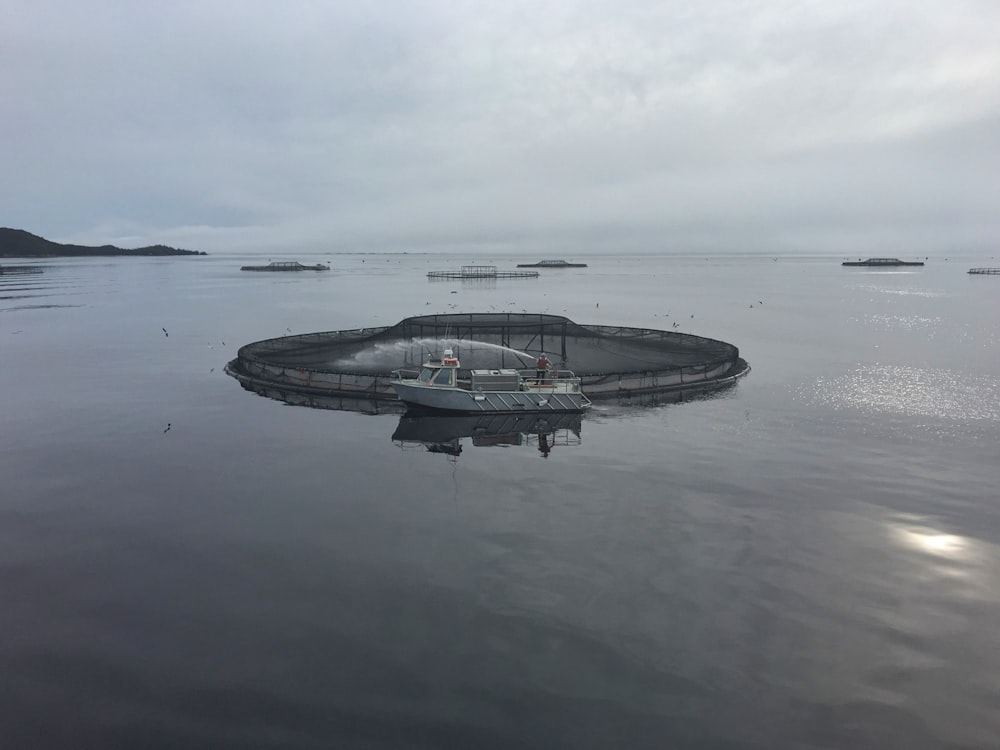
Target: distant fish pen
x=287, y=265
x=552, y=264
x=485, y=273
x=17, y=270
x=613, y=361
x=882, y=262
x=985, y=271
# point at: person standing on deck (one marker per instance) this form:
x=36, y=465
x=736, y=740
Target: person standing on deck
x=541, y=367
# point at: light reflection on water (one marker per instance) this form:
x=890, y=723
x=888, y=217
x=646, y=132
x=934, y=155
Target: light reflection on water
x=903, y=292
x=897, y=322
x=965, y=567
x=910, y=391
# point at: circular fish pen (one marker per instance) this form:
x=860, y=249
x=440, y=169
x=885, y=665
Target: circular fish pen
x=475, y=273
x=613, y=361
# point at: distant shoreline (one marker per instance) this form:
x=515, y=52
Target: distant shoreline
x=17, y=243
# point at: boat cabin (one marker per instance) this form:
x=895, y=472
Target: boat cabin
x=438, y=375
x=444, y=374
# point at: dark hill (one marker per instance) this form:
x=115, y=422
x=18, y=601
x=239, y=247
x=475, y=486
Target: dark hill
x=16, y=243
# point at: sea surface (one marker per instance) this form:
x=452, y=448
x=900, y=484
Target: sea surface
x=810, y=559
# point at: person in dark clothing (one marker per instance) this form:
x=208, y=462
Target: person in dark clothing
x=543, y=444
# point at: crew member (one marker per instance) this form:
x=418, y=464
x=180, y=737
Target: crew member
x=541, y=367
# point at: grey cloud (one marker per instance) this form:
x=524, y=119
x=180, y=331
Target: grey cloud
x=405, y=126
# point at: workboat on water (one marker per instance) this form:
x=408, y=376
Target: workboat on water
x=440, y=385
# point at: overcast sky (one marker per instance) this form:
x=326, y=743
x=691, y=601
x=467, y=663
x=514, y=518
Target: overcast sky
x=854, y=126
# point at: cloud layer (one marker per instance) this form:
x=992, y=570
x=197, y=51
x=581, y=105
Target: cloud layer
x=606, y=126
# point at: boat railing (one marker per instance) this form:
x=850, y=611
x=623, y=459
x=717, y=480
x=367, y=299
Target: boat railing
x=550, y=374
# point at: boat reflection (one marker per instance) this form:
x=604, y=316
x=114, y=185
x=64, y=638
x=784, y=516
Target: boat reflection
x=444, y=433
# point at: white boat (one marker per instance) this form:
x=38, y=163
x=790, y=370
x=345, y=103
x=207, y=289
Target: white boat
x=439, y=385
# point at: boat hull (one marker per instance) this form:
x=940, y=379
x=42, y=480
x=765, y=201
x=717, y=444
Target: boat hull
x=459, y=400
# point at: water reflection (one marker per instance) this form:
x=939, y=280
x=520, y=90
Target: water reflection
x=296, y=397
x=912, y=391
x=442, y=433
x=930, y=541
x=967, y=565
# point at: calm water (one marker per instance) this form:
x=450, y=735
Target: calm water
x=808, y=560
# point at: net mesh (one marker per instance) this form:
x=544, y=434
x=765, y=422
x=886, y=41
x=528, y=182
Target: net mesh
x=610, y=359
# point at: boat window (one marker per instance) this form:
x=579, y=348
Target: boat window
x=426, y=374
x=443, y=376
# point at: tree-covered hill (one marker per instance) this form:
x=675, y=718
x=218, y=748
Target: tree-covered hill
x=16, y=243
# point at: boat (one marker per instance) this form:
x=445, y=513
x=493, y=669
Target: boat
x=985, y=271
x=552, y=264
x=285, y=265
x=440, y=385
x=880, y=262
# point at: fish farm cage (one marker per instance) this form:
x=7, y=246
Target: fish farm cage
x=484, y=273
x=18, y=270
x=612, y=361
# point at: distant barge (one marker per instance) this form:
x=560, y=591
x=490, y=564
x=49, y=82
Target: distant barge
x=881, y=262
x=552, y=264
x=486, y=273
x=286, y=266
x=985, y=271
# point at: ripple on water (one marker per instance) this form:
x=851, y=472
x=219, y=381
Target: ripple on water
x=910, y=392
x=899, y=322
x=904, y=292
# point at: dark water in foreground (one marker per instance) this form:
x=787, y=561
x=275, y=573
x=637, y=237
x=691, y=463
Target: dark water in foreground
x=808, y=560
